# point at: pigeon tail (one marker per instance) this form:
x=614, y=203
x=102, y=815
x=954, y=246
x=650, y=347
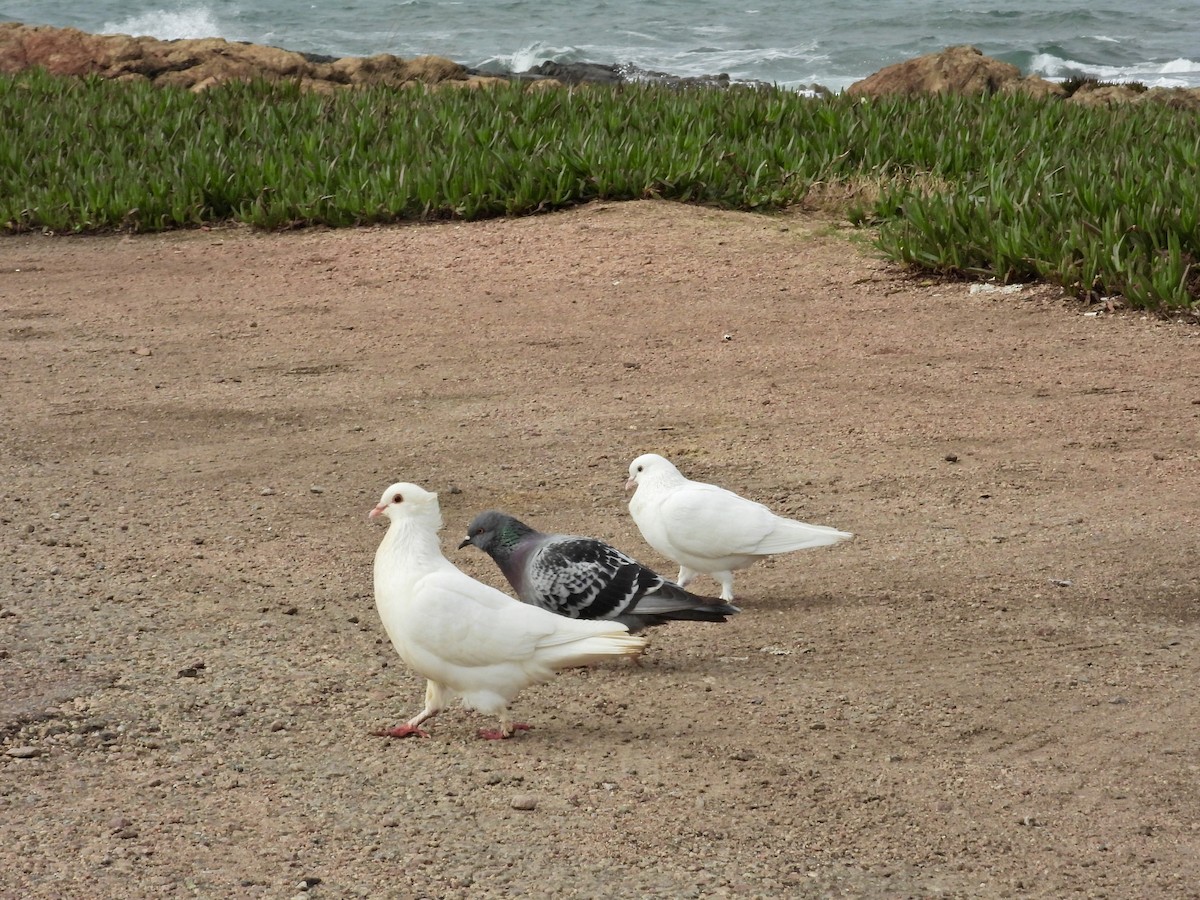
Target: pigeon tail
x=670, y=603
x=788, y=535
x=636, y=621
x=595, y=648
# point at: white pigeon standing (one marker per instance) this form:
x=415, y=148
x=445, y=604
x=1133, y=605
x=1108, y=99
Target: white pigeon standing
x=468, y=639
x=707, y=529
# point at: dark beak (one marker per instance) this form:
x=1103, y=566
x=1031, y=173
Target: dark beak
x=464, y=543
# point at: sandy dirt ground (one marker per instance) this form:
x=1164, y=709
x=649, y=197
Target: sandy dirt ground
x=990, y=692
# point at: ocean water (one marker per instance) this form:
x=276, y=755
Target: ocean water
x=793, y=44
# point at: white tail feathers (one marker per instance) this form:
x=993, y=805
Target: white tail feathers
x=596, y=648
x=788, y=535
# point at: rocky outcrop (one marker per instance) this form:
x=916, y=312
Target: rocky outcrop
x=955, y=70
x=199, y=64
x=598, y=73
x=965, y=70
x=1176, y=98
x=1092, y=93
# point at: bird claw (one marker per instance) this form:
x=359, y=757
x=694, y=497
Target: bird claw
x=401, y=731
x=495, y=734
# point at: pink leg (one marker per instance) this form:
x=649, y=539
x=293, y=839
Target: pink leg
x=499, y=734
x=435, y=699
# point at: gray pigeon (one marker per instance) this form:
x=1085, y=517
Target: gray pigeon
x=584, y=578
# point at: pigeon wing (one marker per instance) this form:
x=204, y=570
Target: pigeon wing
x=466, y=623
x=710, y=522
x=587, y=579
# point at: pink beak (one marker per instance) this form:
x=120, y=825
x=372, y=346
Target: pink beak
x=376, y=512
x=630, y=484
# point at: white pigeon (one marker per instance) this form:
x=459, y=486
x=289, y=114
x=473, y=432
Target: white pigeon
x=707, y=529
x=468, y=639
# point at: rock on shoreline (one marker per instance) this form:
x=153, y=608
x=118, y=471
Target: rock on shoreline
x=198, y=64
x=965, y=70
x=205, y=62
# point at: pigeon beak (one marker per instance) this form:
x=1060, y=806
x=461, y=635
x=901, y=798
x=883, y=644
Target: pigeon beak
x=464, y=543
x=376, y=512
x=630, y=484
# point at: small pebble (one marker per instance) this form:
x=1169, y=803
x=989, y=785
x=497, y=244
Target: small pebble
x=267, y=492
x=525, y=802
x=951, y=457
x=23, y=752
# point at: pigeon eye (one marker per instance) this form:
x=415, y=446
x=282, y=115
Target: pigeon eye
x=399, y=498
x=639, y=468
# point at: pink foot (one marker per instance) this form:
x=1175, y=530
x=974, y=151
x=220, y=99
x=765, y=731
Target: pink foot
x=495, y=734
x=401, y=731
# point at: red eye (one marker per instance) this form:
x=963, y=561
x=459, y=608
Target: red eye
x=399, y=498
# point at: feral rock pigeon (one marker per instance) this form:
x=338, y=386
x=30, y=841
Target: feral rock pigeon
x=584, y=578
x=709, y=530
x=468, y=639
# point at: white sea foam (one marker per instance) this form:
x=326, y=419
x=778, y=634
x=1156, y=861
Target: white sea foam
x=169, y=25
x=1047, y=65
x=1180, y=67
x=531, y=55
x=1171, y=74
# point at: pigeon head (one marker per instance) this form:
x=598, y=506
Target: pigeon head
x=650, y=467
x=495, y=533
x=408, y=501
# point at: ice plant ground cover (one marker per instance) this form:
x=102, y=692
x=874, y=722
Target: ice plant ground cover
x=1101, y=201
